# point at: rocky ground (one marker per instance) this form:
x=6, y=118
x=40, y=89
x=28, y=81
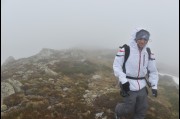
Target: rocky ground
x=72, y=84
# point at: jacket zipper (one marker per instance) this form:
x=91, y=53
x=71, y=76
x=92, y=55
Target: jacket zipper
x=139, y=67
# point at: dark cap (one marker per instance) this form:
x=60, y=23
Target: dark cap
x=142, y=34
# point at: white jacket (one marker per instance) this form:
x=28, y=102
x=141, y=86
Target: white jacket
x=136, y=66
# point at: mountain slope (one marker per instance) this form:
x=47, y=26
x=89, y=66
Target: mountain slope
x=73, y=84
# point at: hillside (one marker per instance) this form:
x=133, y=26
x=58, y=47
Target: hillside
x=72, y=84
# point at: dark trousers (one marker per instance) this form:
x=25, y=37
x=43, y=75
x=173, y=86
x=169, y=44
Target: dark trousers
x=136, y=104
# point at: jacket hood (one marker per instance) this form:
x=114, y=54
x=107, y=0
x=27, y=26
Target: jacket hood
x=133, y=36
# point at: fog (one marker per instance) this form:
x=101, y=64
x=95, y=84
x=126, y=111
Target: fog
x=27, y=26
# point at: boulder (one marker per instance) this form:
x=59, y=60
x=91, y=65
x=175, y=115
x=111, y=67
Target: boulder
x=3, y=108
x=6, y=89
x=16, y=85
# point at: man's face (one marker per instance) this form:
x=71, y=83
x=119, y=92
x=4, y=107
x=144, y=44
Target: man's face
x=141, y=43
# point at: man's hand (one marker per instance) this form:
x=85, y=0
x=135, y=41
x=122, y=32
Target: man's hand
x=154, y=92
x=125, y=86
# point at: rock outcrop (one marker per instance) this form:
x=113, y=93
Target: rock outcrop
x=6, y=89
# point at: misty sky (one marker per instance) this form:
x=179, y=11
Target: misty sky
x=27, y=26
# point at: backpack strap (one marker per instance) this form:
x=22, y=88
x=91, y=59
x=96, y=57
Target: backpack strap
x=149, y=52
x=150, y=58
x=127, y=51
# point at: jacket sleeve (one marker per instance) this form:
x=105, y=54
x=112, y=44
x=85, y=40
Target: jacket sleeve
x=117, y=66
x=153, y=73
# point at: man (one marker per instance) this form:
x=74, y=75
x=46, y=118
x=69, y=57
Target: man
x=133, y=79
